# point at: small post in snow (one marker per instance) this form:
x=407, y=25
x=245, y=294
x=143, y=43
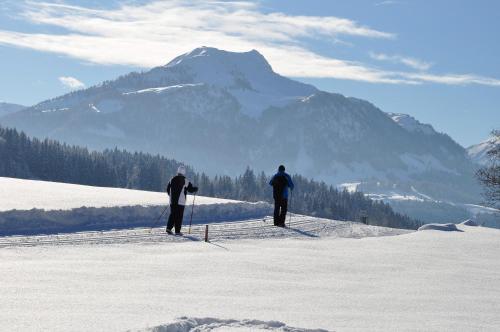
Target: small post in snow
x=206, y=233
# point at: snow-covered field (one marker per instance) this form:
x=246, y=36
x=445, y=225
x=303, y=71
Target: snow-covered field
x=19, y=194
x=316, y=275
x=32, y=207
x=288, y=281
x=299, y=226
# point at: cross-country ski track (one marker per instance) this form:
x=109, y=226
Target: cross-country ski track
x=300, y=227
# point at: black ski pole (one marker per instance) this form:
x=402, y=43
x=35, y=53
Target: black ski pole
x=191, y=219
x=158, y=219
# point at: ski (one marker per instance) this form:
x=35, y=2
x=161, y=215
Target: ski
x=182, y=235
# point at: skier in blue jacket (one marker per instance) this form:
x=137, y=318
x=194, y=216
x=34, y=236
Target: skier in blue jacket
x=280, y=182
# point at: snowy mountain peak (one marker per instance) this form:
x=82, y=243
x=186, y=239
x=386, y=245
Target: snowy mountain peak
x=245, y=75
x=411, y=124
x=215, y=56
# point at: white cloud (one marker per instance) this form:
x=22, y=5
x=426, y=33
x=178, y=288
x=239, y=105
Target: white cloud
x=408, y=61
x=71, y=82
x=453, y=79
x=151, y=34
x=389, y=2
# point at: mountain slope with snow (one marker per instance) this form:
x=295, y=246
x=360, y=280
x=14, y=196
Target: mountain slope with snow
x=223, y=111
x=246, y=76
x=411, y=124
x=479, y=152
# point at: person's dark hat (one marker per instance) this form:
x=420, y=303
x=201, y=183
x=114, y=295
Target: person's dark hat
x=281, y=168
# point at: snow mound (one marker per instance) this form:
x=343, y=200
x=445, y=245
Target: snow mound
x=469, y=222
x=185, y=324
x=440, y=227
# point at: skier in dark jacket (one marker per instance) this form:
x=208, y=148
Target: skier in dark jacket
x=177, y=189
x=281, y=181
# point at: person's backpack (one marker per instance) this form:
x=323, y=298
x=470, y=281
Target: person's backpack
x=279, y=184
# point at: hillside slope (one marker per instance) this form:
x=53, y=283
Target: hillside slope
x=8, y=108
x=479, y=152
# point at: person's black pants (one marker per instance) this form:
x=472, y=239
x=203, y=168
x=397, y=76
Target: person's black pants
x=280, y=209
x=175, y=217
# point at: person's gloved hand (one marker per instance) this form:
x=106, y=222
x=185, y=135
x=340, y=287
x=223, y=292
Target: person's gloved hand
x=195, y=189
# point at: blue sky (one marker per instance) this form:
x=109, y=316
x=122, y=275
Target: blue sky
x=435, y=60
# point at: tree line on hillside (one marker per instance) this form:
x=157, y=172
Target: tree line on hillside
x=309, y=197
x=31, y=158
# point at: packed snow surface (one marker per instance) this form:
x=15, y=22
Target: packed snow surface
x=261, y=228
x=18, y=194
x=418, y=281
